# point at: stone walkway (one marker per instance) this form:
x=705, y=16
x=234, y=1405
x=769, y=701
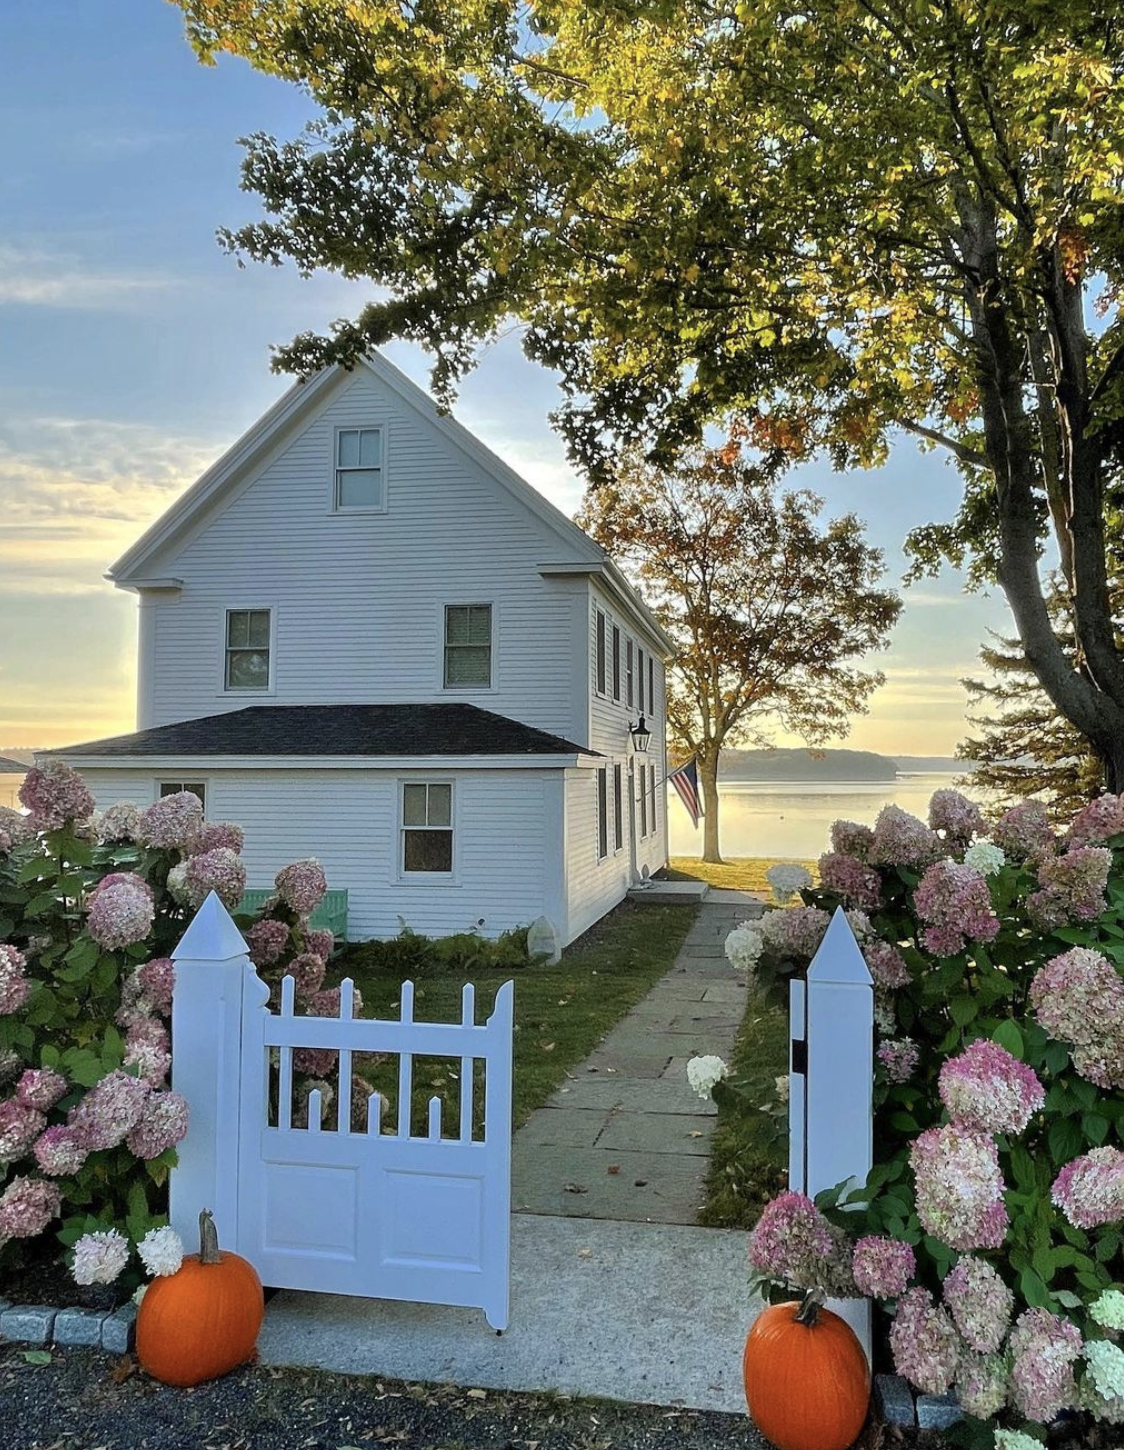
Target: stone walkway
x=625, y=1138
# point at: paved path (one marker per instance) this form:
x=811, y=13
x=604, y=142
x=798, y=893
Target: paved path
x=625, y=1138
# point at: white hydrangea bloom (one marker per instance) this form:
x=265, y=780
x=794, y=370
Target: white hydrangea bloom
x=744, y=945
x=704, y=1072
x=1015, y=1440
x=781, y=1084
x=161, y=1251
x=859, y=923
x=1106, y=1367
x=1108, y=1309
x=178, y=888
x=786, y=878
x=99, y=1257
x=985, y=858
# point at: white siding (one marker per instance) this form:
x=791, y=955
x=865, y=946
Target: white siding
x=508, y=840
x=359, y=598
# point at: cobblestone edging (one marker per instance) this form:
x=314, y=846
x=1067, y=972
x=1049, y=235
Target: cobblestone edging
x=897, y=1404
x=40, y=1324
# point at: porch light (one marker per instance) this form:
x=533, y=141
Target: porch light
x=641, y=736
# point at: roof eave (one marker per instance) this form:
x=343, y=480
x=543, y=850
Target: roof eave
x=93, y=761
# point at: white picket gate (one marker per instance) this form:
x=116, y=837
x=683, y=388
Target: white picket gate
x=831, y=1077
x=329, y=1203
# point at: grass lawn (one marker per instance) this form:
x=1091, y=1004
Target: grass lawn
x=561, y=1012
x=749, y=1157
x=739, y=873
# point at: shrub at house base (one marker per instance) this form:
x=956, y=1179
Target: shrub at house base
x=202, y=1321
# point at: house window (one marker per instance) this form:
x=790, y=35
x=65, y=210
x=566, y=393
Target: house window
x=247, y=649
x=652, y=779
x=196, y=787
x=359, y=470
x=616, y=663
x=468, y=645
x=602, y=813
x=427, y=828
x=600, y=653
x=651, y=685
x=618, y=813
x=640, y=676
x=643, y=800
x=628, y=689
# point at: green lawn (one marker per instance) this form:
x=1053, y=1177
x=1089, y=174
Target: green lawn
x=749, y=1157
x=561, y=1012
x=739, y=873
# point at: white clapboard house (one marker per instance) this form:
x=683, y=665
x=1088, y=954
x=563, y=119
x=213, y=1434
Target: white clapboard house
x=366, y=639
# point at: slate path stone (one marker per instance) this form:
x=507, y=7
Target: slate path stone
x=626, y=1128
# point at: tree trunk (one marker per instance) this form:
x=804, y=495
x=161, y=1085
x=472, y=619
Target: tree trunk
x=708, y=780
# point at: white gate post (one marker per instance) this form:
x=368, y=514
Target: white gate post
x=211, y=968
x=834, y=1141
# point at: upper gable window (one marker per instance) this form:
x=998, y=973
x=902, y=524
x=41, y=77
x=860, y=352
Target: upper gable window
x=360, y=481
x=247, y=649
x=468, y=646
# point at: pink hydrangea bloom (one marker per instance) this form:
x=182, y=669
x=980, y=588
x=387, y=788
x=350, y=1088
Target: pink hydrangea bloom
x=988, y=1089
x=120, y=910
x=1045, y=1348
x=327, y=1003
x=5, y=842
x=58, y=1152
x=14, y=986
x=120, y=822
x=849, y=878
x=899, y=1056
x=156, y=981
x=982, y=1384
x=215, y=836
x=307, y=972
x=170, y=822
x=887, y=965
x=56, y=795
x=16, y=826
x=320, y=941
x=955, y=816
x=40, y=1088
x=959, y=1187
x=27, y=1206
x=848, y=838
x=882, y=1267
x=1024, y=831
x=301, y=886
x=315, y=1061
x=902, y=840
x=1090, y=1190
x=99, y=1257
x=980, y=1304
x=109, y=1111
x=795, y=1244
x=925, y=1344
x=267, y=939
x=20, y=1125
x=162, y=1124
x=1097, y=822
x=220, y=871
x=794, y=931
x=148, y=1048
x=1073, y=887
x=1076, y=992
x=955, y=902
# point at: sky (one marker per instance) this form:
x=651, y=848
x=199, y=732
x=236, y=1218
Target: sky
x=133, y=351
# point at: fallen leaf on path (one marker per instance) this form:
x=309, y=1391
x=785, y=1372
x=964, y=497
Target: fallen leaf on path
x=478, y=1394
x=613, y=1168
x=585, y=1253
x=574, y=1188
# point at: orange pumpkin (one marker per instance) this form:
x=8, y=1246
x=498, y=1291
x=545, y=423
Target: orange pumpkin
x=807, y=1382
x=203, y=1320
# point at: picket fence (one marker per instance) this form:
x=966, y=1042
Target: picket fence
x=831, y=1078
x=312, y=1197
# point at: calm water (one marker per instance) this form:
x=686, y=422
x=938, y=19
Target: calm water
x=794, y=819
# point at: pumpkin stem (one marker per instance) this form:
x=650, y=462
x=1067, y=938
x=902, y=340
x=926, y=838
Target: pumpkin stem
x=809, y=1311
x=208, y=1239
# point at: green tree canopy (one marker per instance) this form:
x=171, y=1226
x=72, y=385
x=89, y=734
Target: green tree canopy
x=832, y=219
x=773, y=612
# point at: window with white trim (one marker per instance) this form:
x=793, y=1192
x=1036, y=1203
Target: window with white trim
x=247, y=649
x=196, y=787
x=643, y=800
x=655, y=799
x=651, y=685
x=602, y=813
x=640, y=676
x=468, y=646
x=600, y=636
x=616, y=662
x=360, y=482
x=427, y=828
x=629, y=650
x=618, y=809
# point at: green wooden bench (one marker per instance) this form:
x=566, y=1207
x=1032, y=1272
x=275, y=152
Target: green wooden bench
x=331, y=913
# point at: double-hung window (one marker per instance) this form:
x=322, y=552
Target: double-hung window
x=655, y=798
x=247, y=649
x=196, y=787
x=628, y=671
x=618, y=810
x=643, y=800
x=600, y=645
x=651, y=685
x=640, y=676
x=360, y=476
x=602, y=813
x=427, y=828
x=468, y=646
x=616, y=662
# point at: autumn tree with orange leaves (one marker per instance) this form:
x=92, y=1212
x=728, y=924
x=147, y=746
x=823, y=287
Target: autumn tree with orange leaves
x=773, y=611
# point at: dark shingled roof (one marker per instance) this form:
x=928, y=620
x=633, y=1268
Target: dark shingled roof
x=13, y=767
x=375, y=730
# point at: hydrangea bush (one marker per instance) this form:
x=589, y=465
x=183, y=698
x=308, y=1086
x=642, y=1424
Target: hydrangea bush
x=90, y=909
x=991, y=1226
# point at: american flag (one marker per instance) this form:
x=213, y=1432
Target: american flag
x=686, y=782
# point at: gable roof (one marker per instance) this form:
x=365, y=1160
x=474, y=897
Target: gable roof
x=454, y=729
x=13, y=767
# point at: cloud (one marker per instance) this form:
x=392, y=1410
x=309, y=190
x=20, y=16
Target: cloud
x=37, y=277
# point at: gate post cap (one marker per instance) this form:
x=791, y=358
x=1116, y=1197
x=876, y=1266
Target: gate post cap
x=212, y=935
x=839, y=957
